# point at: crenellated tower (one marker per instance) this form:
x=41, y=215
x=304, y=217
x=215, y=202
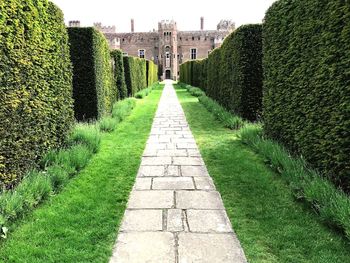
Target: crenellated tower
x=167, y=30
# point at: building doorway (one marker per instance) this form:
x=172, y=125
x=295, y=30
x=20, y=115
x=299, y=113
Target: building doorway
x=167, y=74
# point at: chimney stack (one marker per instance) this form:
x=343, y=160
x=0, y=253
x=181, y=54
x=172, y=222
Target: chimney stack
x=132, y=26
x=202, y=23
x=74, y=23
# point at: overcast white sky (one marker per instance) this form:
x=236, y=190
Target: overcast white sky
x=147, y=13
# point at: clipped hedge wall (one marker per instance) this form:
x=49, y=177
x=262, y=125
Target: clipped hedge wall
x=118, y=72
x=232, y=74
x=152, y=72
x=36, y=106
x=307, y=82
x=135, y=74
x=93, y=88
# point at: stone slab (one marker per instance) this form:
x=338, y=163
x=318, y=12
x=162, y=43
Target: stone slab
x=208, y=221
x=142, y=220
x=209, y=248
x=150, y=247
x=151, y=199
x=198, y=200
x=155, y=161
x=174, y=220
x=151, y=171
x=196, y=161
x=204, y=183
x=194, y=171
x=172, y=183
x=143, y=183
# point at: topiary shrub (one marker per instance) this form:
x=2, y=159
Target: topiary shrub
x=93, y=89
x=232, y=74
x=36, y=106
x=307, y=82
x=119, y=75
x=135, y=74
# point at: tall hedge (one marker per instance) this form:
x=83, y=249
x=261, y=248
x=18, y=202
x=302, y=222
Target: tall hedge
x=93, y=88
x=36, y=106
x=307, y=82
x=135, y=74
x=118, y=72
x=232, y=74
x=152, y=72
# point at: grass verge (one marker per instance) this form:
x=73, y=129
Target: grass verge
x=331, y=204
x=271, y=225
x=80, y=224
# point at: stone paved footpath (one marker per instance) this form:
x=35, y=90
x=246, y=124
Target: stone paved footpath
x=174, y=213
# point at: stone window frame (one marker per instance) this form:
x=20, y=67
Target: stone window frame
x=196, y=52
x=139, y=53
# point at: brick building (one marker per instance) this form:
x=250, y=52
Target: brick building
x=167, y=46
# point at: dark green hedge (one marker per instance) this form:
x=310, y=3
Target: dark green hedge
x=93, y=88
x=135, y=74
x=118, y=72
x=152, y=72
x=232, y=74
x=36, y=106
x=307, y=82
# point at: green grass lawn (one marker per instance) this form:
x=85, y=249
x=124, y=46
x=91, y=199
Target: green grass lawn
x=80, y=224
x=270, y=224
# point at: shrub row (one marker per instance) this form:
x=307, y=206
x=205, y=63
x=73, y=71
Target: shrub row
x=57, y=167
x=307, y=82
x=118, y=73
x=36, y=106
x=135, y=74
x=93, y=88
x=232, y=74
x=152, y=73
x=331, y=204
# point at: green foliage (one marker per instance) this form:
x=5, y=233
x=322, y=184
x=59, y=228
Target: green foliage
x=58, y=166
x=135, y=74
x=144, y=93
x=272, y=226
x=108, y=124
x=123, y=108
x=90, y=209
x=93, y=88
x=230, y=121
x=307, y=82
x=119, y=76
x=152, y=72
x=87, y=134
x=331, y=204
x=36, y=106
x=232, y=74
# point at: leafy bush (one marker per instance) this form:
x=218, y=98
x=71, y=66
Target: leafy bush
x=331, y=204
x=36, y=109
x=119, y=75
x=152, y=72
x=135, y=74
x=230, y=121
x=232, y=74
x=307, y=83
x=197, y=92
x=123, y=108
x=143, y=93
x=93, y=88
x=108, y=124
x=87, y=134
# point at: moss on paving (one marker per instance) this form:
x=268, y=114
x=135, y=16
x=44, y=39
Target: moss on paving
x=80, y=224
x=271, y=225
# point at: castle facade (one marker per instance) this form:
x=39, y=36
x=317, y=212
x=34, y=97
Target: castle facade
x=167, y=47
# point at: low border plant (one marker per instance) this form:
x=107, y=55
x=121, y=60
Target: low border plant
x=230, y=121
x=330, y=203
x=57, y=167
